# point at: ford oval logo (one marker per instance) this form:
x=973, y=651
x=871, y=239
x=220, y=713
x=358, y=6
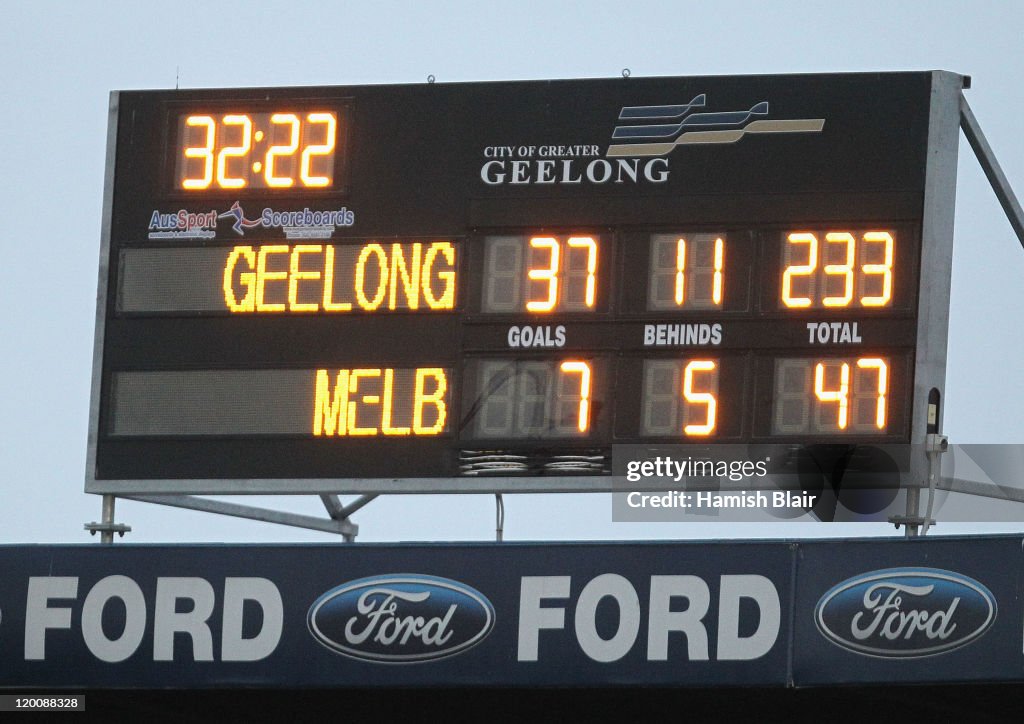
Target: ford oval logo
x=401, y=618
x=905, y=612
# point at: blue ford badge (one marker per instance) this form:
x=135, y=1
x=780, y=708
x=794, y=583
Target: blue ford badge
x=905, y=612
x=401, y=618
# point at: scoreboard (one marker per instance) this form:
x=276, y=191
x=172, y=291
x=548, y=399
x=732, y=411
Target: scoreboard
x=486, y=286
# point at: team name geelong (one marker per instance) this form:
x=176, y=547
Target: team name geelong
x=572, y=171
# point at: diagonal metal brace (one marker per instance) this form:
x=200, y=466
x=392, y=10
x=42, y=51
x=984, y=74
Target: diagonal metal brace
x=338, y=511
x=341, y=513
x=342, y=527
x=994, y=173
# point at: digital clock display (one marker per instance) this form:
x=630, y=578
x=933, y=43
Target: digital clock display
x=385, y=287
x=236, y=151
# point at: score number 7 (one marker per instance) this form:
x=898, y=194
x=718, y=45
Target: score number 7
x=583, y=411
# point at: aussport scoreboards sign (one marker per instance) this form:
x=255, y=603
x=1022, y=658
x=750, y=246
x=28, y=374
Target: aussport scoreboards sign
x=487, y=285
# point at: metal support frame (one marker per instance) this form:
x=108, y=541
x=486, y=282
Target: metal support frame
x=939, y=202
x=987, y=158
x=107, y=527
x=339, y=522
x=915, y=524
x=341, y=513
x=982, y=490
x=937, y=444
x=934, y=447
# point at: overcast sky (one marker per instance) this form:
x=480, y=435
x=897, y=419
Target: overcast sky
x=60, y=60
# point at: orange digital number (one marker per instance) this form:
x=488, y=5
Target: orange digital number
x=840, y=395
x=322, y=149
x=586, y=242
x=205, y=152
x=883, y=386
x=884, y=269
x=799, y=270
x=549, y=274
x=716, y=277
x=716, y=287
x=845, y=270
x=853, y=279
x=288, y=149
x=583, y=370
x=680, y=272
x=223, y=179
x=708, y=399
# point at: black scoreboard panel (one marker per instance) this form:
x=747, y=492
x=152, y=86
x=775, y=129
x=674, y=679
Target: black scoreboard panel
x=502, y=280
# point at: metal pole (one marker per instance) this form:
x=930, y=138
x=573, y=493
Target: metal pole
x=994, y=173
x=913, y=510
x=343, y=527
x=934, y=447
x=357, y=504
x=107, y=535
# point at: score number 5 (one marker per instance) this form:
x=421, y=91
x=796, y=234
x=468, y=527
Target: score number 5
x=680, y=397
x=694, y=397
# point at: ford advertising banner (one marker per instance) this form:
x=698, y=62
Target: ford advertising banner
x=695, y=614
x=913, y=611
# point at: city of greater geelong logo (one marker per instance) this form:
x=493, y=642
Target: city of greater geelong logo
x=304, y=224
x=401, y=618
x=675, y=126
x=645, y=136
